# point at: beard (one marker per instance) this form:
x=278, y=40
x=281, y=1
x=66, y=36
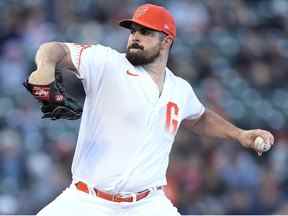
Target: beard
x=141, y=56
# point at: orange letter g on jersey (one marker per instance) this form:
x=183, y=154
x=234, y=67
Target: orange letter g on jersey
x=172, y=112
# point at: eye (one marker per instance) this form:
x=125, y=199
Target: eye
x=132, y=30
x=144, y=31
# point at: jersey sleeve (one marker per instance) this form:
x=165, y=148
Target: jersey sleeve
x=194, y=108
x=89, y=60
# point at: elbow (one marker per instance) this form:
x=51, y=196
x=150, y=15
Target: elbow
x=47, y=45
x=49, y=52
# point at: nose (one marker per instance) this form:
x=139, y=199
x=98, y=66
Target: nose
x=135, y=36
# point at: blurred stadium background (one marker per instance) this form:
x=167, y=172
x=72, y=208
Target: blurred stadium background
x=233, y=52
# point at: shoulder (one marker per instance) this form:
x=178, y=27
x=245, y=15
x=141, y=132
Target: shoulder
x=105, y=51
x=92, y=48
x=110, y=54
x=110, y=57
x=91, y=51
x=179, y=81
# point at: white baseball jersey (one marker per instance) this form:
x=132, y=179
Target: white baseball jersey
x=127, y=130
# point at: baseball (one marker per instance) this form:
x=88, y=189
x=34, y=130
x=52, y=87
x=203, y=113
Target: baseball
x=260, y=144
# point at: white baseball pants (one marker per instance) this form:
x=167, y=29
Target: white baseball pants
x=73, y=202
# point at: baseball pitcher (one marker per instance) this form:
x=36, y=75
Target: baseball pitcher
x=133, y=108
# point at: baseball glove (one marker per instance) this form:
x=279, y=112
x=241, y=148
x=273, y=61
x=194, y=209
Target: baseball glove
x=55, y=103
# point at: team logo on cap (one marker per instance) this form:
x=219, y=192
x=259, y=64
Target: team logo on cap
x=140, y=11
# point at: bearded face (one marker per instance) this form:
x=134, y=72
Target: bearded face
x=138, y=55
x=144, y=45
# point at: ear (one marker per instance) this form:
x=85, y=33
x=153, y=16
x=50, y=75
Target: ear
x=167, y=41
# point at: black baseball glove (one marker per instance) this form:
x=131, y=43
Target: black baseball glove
x=55, y=103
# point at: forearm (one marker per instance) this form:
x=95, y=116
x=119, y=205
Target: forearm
x=213, y=125
x=47, y=57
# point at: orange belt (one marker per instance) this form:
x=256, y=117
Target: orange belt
x=116, y=197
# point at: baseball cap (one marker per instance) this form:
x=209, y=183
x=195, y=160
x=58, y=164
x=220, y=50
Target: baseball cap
x=154, y=17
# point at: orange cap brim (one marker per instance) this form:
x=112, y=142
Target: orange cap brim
x=127, y=24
